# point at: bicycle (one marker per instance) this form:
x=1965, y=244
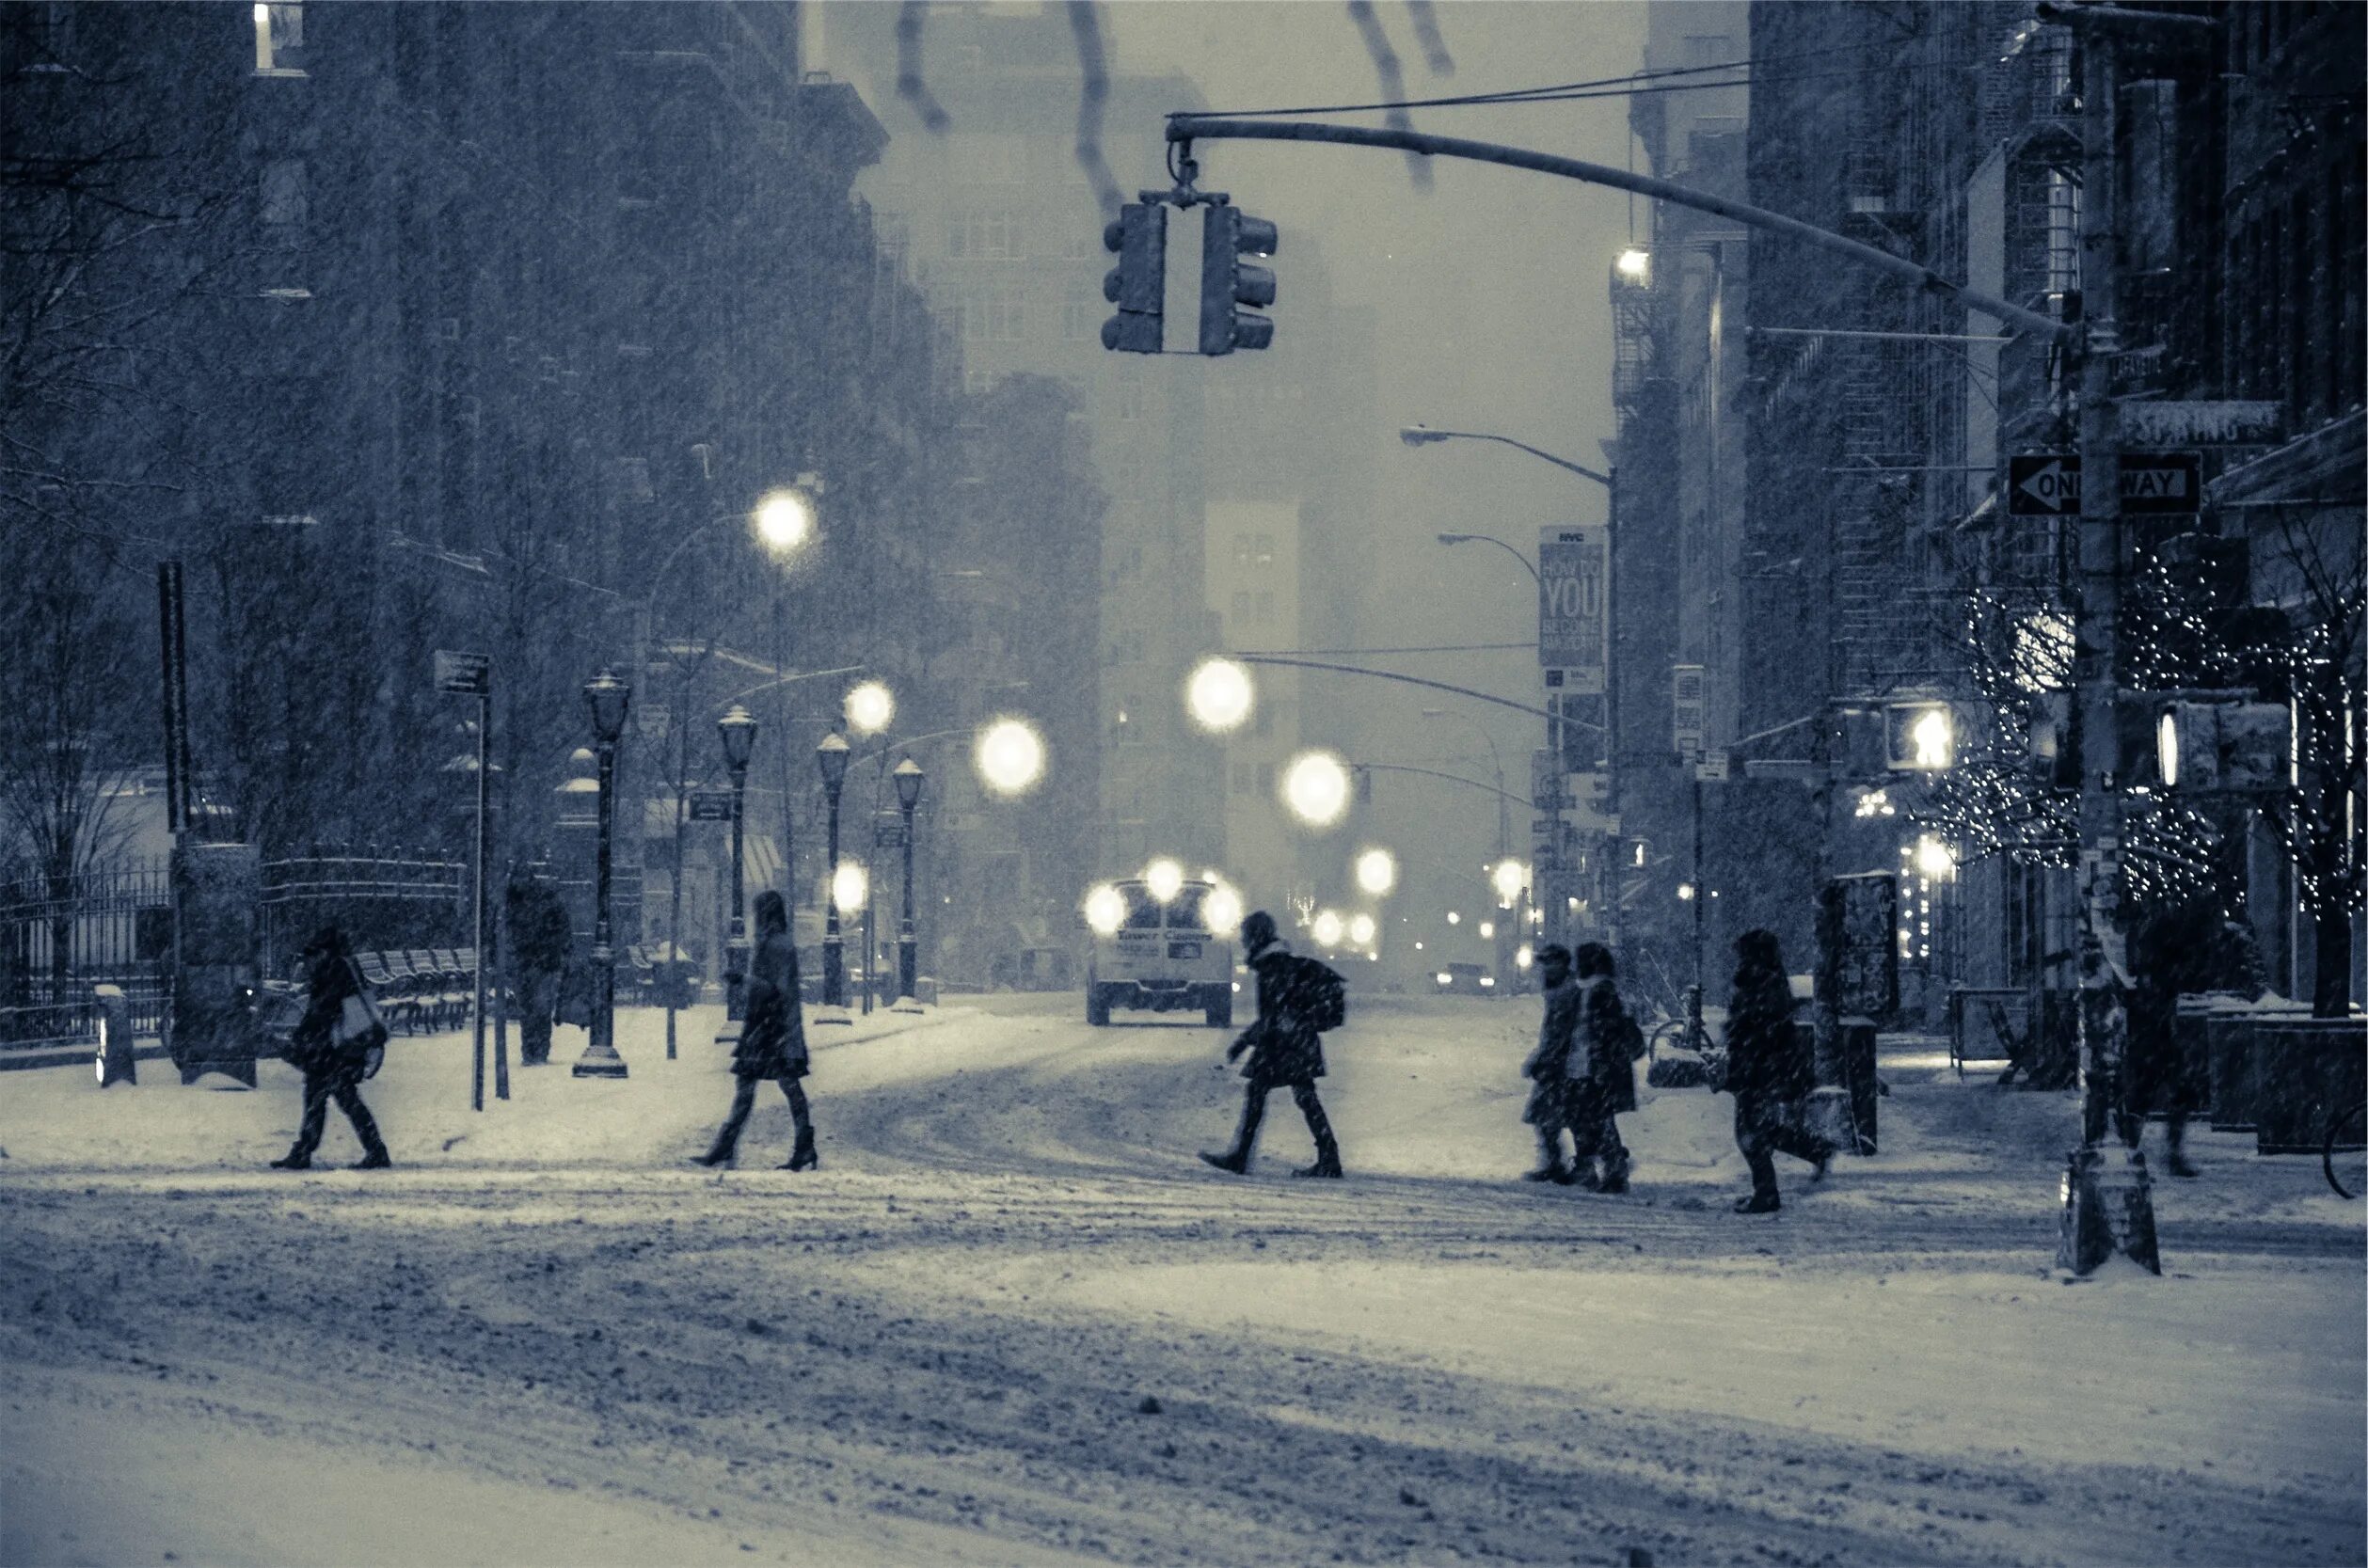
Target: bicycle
x=2344, y=1154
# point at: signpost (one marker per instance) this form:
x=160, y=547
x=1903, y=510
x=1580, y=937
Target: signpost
x=2153, y=484
x=1571, y=624
x=1689, y=708
x=888, y=835
x=711, y=806
x=471, y=675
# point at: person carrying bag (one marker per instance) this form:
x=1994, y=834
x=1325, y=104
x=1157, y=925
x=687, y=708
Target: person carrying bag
x=338, y=1043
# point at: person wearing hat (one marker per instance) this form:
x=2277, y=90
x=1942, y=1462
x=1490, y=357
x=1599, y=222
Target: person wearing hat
x=1285, y=1049
x=1548, y=1067
x=772, y=1040
x=1602, y=1071
x=332, y=1070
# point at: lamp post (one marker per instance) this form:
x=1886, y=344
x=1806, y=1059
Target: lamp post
x=909, y=777
x=831, y=756
x=608, y=698
x=736, y=729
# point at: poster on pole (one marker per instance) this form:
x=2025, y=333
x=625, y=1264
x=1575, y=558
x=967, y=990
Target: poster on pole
x=1572, y=626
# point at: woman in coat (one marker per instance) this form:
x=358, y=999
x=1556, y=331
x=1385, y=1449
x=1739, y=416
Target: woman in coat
x=331, y=1069
x=1769, y=1069
x=772, y=1040
x=1602, y=1071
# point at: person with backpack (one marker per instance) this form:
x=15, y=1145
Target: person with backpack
x=1602, y=1072
x=1297, y=999
x=335, y=1046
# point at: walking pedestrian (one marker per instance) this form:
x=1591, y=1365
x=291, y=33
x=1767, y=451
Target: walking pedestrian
x=1769, y=1071
x=1296, y=998
x=539, y=938
x=1602, y=1072
x=333, y=1055
x=1549, y=1065
x=2185, y=949
x=772, y=1040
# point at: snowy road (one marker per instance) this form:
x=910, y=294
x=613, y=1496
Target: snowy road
x=544, y=1338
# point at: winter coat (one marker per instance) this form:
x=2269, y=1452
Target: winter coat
x=2184, y=949
x=1549, y=1064
x=1766, y=1059
x=1283, y=1044
x=539, y=930
x=772, y=1027
x=312, y=1044
x=1606, y=1044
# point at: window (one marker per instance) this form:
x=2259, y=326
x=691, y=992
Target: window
x=1241, y=550
x=982, y=234
x=1077, y=313
x=978, y=383
x=280, y=40
x=1265, y=549
x=2063, y=233
x=1241, y=606
x=284, y=201
x=1708, y=49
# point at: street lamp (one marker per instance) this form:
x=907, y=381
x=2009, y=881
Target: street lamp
x=1315, y=787
x=738, y=731
x=607, y=697
x=909, y=778
x=831, y=756
x=1009, y=756
x=870, y=707
x=1377, y=872
x=785, y=519
x=1218, y=696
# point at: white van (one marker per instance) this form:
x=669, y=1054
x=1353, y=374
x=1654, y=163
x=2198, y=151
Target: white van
x=1162, y=957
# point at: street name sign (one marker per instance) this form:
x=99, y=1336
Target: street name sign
x=1711, y=769
x=711, y=806
x=469, y=674
x=2153, y=484
x=888, y=835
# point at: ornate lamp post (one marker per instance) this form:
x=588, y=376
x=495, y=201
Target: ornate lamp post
x=607, y=697
x=909, y=777
x=738, y=731
x=831, y=756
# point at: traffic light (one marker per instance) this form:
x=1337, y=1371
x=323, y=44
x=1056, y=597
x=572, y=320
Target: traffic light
x=1227, y=281
x=1919, y=737
x=2223, y=747
x=1138, y=284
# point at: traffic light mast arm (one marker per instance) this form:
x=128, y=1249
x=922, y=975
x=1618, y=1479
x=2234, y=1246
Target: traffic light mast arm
x=1521, y=800
x=1187, y=129
x=1410, y=680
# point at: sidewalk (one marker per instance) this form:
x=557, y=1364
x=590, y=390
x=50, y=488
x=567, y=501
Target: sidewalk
x=59, y=1117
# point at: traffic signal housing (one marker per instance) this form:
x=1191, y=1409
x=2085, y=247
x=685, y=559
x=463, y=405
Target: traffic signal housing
x=1919, y=737
x=1138, y=284
x=1227, y=281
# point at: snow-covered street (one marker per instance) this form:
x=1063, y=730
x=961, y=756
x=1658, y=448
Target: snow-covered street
x=1014, y=1319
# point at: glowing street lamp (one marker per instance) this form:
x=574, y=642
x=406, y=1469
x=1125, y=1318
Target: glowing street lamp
x=1164, y=879
x=1487, y=929
x=1934, y=859
x=1327, y=928
x=1377, y=872
x=870, y=706
x=1509, y=876
x=1454, y=919
x=1218, y=696
x=1361, y=930
x=1105, y=909
x=850, y=886
x=831, y=756
x=1222, y=908
x=1634, y=265
x=785, y=520
x=1009, y=756
x=1315, y=787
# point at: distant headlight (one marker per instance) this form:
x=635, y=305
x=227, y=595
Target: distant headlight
x=1446, y=979
x=1487, y=979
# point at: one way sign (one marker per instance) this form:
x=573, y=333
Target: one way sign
x=2047, y=484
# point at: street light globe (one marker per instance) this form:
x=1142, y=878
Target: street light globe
x=1164, y=879
x=785, y=520
x=1523, y=956
x=1222, y=911
x=1509, y=877
x=1487, y=929
x=1105, y=909
x=870, y=707
x=849, y=887
x=1935, y=738
x=1218, y=696
x=1009, y=756
x=1327, y=928
x=1455, y=919
x=1361, y=930
x=1315, y=787
x=1377, y=872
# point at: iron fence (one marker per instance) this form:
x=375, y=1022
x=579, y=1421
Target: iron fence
x=60, y=936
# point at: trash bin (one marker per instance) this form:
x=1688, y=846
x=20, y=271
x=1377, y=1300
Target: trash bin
x=2303, y=1071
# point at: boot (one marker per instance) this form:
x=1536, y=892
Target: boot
x=375, y=1160
x=1614, y=1180
x=1557, y=1173
x=1327, y=1164
x=1229, y=1160
x=2181, y=1166
x=802, y=1157
x=296, y=1159
x=719, y=1155
x=1759, y=1203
